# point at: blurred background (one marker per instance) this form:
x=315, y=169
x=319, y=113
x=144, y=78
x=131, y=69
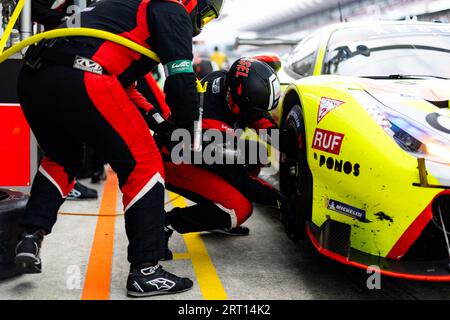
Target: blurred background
x=273, y=19
x=293, y=19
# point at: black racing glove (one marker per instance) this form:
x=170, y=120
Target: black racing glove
x=163, y=128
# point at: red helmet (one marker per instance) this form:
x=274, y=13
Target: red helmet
x=253, y=86
x=271, y=59
x=202, y=12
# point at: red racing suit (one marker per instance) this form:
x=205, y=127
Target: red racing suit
x=97, y=104
x=223, y=193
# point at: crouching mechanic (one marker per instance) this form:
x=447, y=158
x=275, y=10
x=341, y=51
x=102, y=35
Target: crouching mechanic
x=80, y=90
x=224, y=193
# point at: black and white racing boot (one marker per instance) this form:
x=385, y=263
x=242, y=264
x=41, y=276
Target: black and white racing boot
x=168, y=255
x=81, y=192
x=27, y=252
x=145, y=281
x=237, y=231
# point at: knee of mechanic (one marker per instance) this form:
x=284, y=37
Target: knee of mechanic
x=242, y=210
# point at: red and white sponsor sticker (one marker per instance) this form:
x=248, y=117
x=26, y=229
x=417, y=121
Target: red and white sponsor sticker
x=328, y=141
x=326, y=105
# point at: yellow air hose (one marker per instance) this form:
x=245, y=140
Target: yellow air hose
x=11, y=24
x=79, y=32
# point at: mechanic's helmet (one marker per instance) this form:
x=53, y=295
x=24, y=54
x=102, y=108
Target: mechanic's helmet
x=202, y=12
x=202, y=66
x=253, y=87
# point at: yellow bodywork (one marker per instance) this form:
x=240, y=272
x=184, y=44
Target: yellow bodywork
x=386, y=172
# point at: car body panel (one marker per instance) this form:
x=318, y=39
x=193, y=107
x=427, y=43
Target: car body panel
x=368, y=174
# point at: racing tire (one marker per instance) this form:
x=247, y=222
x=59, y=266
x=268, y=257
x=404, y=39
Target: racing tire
x=296, y=182
x=12, y=208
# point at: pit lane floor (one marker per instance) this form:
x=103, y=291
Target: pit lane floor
x=85, y=258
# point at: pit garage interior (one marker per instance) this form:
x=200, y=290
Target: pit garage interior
x=84, y=258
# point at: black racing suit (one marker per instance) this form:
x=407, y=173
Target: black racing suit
x=223, y=192
x=51, y=14
x=67, y=107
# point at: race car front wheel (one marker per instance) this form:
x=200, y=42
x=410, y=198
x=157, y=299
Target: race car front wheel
x=295, y=175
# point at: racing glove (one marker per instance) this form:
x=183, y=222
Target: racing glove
x=163, y=128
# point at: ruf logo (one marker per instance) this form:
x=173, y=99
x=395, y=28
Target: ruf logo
x=325, y=106
x=328, y=141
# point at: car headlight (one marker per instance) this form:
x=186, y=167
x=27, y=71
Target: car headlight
x=412, y=136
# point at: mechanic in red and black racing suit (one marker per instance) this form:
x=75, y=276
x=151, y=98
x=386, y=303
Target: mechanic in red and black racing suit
x=223, y=193
x=148, y=86
x=51, y=14
x=81, y=90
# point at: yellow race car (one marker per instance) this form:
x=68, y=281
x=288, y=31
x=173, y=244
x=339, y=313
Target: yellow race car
x=365, y=142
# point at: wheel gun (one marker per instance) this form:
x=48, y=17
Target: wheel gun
x=198, y=126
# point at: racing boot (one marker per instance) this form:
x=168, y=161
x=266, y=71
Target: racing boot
x=168, y=255
x=237, y=231
x=27, y=252
x=151, y=280
x=81, y=192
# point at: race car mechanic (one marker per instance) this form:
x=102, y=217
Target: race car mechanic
x=224, y=193
x=51, y=14
x=101, y=110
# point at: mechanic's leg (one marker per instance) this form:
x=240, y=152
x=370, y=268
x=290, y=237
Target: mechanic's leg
x=222, y=207
x=123, y=138
x=63, y=153
x=55, y=177
x=126, y=143
x=51, y=185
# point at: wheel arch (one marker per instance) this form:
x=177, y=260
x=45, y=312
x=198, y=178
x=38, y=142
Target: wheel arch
x=291, y=98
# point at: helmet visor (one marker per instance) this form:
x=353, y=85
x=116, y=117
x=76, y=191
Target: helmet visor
x=207, y=16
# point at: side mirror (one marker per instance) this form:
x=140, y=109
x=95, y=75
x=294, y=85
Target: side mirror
x=363, y=50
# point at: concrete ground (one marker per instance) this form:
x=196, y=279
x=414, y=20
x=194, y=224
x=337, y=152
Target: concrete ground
x=264, y=265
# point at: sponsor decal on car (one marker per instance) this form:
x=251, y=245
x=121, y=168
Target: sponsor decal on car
x=438, y=121
x=327, y=141
x=346, y=209
x=338, y=165
x=325, y=106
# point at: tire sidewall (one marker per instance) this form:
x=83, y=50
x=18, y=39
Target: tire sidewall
x=15, y=201
x=295, y=124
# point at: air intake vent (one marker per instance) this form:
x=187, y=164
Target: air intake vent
x=441, y=104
